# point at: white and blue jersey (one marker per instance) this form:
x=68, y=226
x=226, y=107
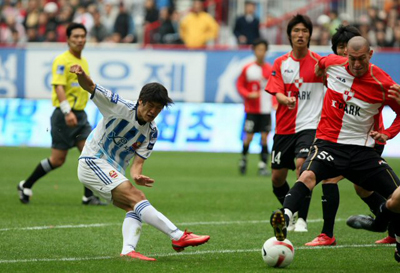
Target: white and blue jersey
x=118, y=136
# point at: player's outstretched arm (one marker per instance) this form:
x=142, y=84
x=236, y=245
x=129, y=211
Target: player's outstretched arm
x=84, y=80
x=136, y=173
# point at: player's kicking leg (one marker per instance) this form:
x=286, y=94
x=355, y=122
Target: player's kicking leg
x=292, y=203
x=180, y=239
x=278, y=223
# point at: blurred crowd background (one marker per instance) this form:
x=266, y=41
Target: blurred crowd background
x=194, y=24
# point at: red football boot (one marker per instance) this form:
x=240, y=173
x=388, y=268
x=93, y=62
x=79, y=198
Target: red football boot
x=137, y=255
x=322, y=240
x=189, y=239
x=386, y=240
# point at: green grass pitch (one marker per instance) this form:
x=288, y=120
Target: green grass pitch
x=202, y=192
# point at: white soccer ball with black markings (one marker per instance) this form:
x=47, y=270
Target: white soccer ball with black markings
x=277, y=253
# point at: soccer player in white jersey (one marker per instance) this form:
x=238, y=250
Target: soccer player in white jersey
x=357, y=92
x=300, y=94
x=127, y=131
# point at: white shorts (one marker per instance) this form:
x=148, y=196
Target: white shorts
x=99, y=176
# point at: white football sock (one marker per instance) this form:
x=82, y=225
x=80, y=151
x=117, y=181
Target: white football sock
x=131, y=229
x=289, y=213
x=153, y=217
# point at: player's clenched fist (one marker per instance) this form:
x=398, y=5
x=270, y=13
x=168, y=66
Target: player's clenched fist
x=84, y=80
x=291, y=103
x=76, y=69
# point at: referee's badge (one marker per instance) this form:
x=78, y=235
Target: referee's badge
x=60, y=69
x=348, y=94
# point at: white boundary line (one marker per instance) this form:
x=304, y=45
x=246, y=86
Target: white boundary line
x=214, y=223
x=74, y=259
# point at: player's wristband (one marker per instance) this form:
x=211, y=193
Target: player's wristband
x=65, y=108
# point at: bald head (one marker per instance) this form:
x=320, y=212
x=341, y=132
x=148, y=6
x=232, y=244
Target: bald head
x=359, y=54
x=357, y=43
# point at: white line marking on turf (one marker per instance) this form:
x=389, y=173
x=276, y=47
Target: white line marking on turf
x=72, y=259
x=62, y=226
x=180, y=224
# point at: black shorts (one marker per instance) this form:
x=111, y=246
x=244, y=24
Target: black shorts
x=287, y=148
x=255, y=123
x=356, y=163
x=64, y=137
x=379, y=148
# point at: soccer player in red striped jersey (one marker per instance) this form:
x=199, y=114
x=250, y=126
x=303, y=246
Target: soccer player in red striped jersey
x=257, y=104
x=300, y=94
x=330, y=189
x=357, y=92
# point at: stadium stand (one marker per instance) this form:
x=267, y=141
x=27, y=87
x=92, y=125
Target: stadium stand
x=157, y=21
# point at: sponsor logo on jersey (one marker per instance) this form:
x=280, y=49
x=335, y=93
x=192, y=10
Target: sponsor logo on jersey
x=288, y=71
x=75, y=84
x=273, y=73
x=304, y=95
x=113, y=174
x=119, y=141
x=349, y=109
x=60, y=69
x=301, y=95
x=298, y=82
x=348, y=94
x=343, y=80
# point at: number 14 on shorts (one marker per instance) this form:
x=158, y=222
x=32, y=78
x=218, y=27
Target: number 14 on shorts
x=276, y=159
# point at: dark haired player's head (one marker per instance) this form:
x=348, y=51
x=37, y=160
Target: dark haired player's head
x=342, y=36
x=257, y=42
x=260, y=48
x=73, y=26
x=299, y=19
x=155, y=93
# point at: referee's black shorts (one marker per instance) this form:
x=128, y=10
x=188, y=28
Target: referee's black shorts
x=64, y=137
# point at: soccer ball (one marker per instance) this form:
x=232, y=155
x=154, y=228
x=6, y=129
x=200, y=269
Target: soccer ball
x=276, y=253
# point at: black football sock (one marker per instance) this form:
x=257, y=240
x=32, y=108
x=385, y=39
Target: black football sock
x=87, y=192
x=374, y=201
x=41, y=170
x=296, y=196
x=245, y=151
x=391, y=230
x=264, y=154
x=383, y=217
x=281, y=191
x=303, y=211
x=395, y=223
x=330, y=206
